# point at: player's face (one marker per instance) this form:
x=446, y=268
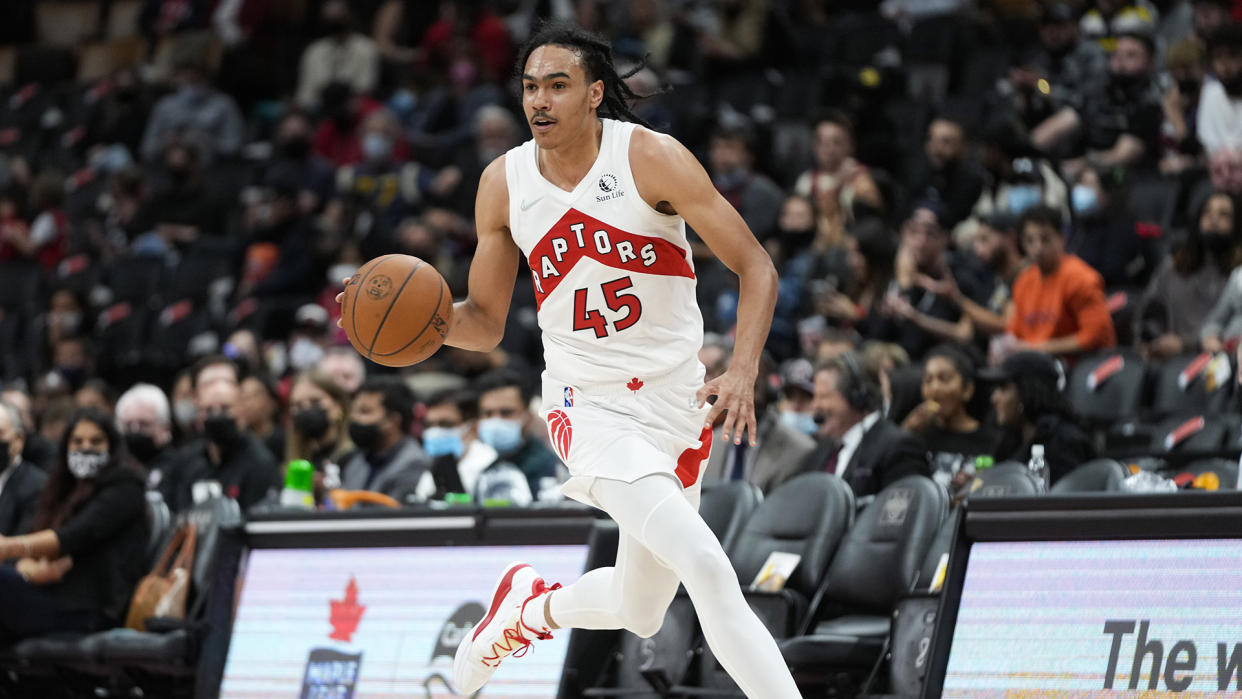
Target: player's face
x=557, y=98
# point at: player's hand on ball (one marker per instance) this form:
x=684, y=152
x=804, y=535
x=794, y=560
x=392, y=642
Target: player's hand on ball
x=340, y=298
x=735, y=392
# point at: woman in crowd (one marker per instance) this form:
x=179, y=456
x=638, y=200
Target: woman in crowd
x=78, y=569
x=1190, y=280
x=1223, y=323
x=838, y=181
x=1030, y=409
x=952, y=435
x=319, y=413
x=259, y=411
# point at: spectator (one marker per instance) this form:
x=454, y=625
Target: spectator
x=388, y=459
x=779, y=450
x=837, y=181
x=457, y=456
x=797, y=396
x=294, y=142
x=398, y=32
x=77, y=570
x=1030, y=409
x=184, y=407
x=1016, y=178
x=195, y=114
x=1069, y=64
x=183, y=208
x=1109, y=20
x=319, y=414
x=952, y=435
x=118, y=115
x=259, y=412
x=484, y=34
x=345, y=367
x=944, y=173
x=504, y=424
x=1118, y=123
x=1106, y=235
x=1190, y=280
x=145, y=420
x=1207, y=16
x=20, y=481
x=95, y=394
x=343, y=55
x=757, y=198
x=848, y=284
x=860, y=446
x=47, y=241
x=215, y=368
x=275, y=219
x=995, y=243
x=226, y=457
x=1179, y=142
x=1226, y=170
x=71, y=362
x=37, y=449
x=1218, y=226
x=162, y=18
x=1058, y=301
x=884, y=359
x=1219, y=122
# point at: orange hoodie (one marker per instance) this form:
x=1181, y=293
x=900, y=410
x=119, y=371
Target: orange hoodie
x=1070, y=301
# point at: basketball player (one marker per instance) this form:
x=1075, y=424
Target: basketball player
x=598, y=207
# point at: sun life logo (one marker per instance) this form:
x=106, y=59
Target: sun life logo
x=609, y=186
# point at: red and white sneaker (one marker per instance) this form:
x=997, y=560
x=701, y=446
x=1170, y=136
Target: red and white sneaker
x=502, y=632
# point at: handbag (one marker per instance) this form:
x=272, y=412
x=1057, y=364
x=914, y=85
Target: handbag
x=162, y=592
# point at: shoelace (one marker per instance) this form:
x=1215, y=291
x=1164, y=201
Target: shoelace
x=513, y=634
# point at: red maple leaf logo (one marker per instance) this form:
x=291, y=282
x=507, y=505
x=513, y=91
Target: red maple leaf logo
x=346, y=613
x=634, y=384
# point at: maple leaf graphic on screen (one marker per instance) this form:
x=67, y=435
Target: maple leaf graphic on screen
x=346, y=613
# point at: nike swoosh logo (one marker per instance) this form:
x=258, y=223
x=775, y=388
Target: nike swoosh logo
x=527, y=204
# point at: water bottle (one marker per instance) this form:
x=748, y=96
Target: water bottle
x=299, y=490
x=1039, y=467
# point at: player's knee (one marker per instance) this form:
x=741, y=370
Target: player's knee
x=707, y=562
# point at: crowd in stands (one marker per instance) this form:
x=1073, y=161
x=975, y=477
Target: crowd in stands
x=975, y=194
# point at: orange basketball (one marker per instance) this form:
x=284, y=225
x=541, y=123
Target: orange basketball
x=396, y=310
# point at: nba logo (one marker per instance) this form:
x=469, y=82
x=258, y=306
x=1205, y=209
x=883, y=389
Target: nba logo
x=569, y=397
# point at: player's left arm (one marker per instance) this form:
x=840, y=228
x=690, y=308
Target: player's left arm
x=672, y=181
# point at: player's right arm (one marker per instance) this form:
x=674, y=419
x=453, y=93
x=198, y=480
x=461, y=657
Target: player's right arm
x=479, y=321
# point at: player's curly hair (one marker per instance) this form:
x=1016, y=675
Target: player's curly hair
x=596, y=55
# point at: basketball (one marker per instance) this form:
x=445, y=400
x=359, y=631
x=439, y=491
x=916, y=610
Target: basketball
x=396, y=310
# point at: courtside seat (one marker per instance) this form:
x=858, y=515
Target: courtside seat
x=1185, y=385
x=1107, y=387
x=1006, y=479
x=726, y=507
x=1191, y=434
x=878, y=562
x=1101, y=475
x=1226, y=471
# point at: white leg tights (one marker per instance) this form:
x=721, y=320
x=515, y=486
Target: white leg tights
x=664, y=540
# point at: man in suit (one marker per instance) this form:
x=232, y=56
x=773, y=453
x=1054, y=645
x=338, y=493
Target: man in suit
x=776, y=457
x=860, y=446
x=20, y=482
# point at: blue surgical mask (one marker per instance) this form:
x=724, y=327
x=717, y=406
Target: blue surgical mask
x=439, y=441
x=802, y=422
x=1023, y=197
x=501, y=434
x=1084, y=199
x=376, y=147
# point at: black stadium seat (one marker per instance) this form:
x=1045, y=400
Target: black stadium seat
x=878, y=562
x=1006, y=479
x=1107, y=387
x=726, y=507
x=1194, y=434
x=1101, y=475
x=1185, y=385
x=1226, y=471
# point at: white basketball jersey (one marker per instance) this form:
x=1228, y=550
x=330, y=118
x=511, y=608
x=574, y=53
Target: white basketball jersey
x=614, y=280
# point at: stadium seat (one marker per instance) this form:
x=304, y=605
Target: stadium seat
x=22, y=290
x=1193, y=434
x=878, y=562
x=807, y=515
x=1186, y=385
x=1107, y=387
x=66, y=24
x=726, y=507
x=123, y=19
x=1006, y=479
x=100, y=59
x=1101, y=475
x=160, y=520
x=1226, y=471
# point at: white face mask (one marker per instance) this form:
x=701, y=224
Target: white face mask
x=185, y=412
x=85, y=465
x=304, y=354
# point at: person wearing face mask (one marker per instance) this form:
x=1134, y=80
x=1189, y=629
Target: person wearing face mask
x=182, y=207
x=77, y=568
x=1179, y=142
x=20, y=481
x=232, y=459
x=184, y=407
x=195, y=111
x=1106, y=234
x=388, y=459
x=275, y=219
x=1118, y=120
x=1219, y=120
x=450, y=441
x=341, y=55
x=319, y=424
x=779, y=445
x=294, y=143
x=1017, y=178
x=756, y=197
x=1190, y=280
x=504, y=417
x=145, y=419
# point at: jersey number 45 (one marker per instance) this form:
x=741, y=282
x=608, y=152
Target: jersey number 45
x=615, y=300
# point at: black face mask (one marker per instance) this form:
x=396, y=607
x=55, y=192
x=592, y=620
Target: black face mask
x=222, y=430
x=336, y=26
x=295, y=148
x=794, y=239
x=1217, y=245
x=1188, y=88
x=5, y=457
x=1128, y=83
x=366, y=436
x=142, y=446
x=1233, y=86
x=311, y=423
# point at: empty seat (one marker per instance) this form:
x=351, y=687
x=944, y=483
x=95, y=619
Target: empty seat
x=878, y=562
x=1194, y=434
x=726, y=507
x=1006, y=479
x=1189, y=385
x=1101, y=475
x=1107, y=387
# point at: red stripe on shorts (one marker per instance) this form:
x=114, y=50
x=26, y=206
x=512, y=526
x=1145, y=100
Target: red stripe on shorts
x=691, y=460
